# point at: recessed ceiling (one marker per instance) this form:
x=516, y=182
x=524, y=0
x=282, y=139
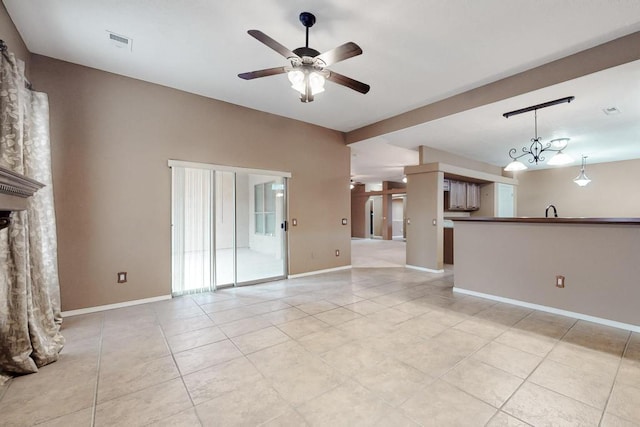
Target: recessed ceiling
x=415, y=53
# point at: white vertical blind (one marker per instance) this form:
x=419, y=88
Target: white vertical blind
x=192, y=231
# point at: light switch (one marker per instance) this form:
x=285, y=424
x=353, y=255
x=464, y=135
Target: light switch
x=344, y=221
x=294, y=222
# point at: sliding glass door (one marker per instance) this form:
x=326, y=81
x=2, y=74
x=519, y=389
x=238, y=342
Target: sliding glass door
x=260, y=246
x=192, y=230
x=225, y=214
x=228, y=226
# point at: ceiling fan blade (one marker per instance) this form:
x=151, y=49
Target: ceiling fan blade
x=262, y=73
x=340, y=53
x=262, y=37
x=348, y=82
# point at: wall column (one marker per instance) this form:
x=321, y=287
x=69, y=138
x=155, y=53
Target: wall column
x=387, y=230
x=425, y=202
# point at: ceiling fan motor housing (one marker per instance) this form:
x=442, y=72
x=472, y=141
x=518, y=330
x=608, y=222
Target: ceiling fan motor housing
x=306, y=51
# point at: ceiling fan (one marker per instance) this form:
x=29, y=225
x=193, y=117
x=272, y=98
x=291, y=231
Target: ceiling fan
x=307, y=72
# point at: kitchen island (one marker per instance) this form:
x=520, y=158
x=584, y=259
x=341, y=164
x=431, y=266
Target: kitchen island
x=518, y=260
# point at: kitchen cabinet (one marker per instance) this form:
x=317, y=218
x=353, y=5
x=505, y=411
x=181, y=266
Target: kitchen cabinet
x=473, y=196
x=463, y=196
x=448, y=245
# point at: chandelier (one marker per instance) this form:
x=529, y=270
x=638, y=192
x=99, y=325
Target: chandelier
x=537, y=148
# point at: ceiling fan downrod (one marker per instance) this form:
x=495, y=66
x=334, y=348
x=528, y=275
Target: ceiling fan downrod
x=307, y=19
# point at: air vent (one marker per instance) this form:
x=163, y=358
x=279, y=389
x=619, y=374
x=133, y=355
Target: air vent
x=120, y=41
x=611, y=111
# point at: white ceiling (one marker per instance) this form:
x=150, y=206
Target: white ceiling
x=415, y=52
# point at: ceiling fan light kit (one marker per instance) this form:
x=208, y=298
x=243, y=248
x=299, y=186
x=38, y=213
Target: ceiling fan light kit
x=536, y=148
x=307, y=72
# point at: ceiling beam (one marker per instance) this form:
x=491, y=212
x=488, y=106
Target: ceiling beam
x=607, y=55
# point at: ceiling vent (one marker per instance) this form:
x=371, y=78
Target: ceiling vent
x=120, y=41
x=611, y=111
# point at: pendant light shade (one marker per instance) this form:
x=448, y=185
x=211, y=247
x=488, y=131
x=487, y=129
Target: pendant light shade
x=515, y=165
x=560, y=159
x=582, y=179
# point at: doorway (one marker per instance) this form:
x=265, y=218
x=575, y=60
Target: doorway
x=228, y=226
x=398, y=208
x=373, y=220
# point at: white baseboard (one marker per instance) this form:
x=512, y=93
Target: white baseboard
x=313, y=273
x=553, y=310
x=112, y=306
x=428, y=270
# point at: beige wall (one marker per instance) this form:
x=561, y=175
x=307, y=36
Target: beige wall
x=487, y=200
x=111, y=138
x=521, y=261
x=613, y=191
x=12, y=38
x=432, y=155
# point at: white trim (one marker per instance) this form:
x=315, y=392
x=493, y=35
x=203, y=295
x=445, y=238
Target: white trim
x=572, y=314
x=313, y=273
x=112, y=306
x=223, y=168
x=428, y=270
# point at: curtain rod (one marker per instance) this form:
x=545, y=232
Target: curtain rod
x=3, y=49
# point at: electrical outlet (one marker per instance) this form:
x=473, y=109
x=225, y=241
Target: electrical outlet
x=122, y=277
x=337, y=252
x=559, y=281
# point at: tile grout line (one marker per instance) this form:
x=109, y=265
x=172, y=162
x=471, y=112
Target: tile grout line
x=615, y=378
x=186, y=389
x=264, y=377
x=537, y=366
x=469, y=357
x=95, y=394
x=544, y=358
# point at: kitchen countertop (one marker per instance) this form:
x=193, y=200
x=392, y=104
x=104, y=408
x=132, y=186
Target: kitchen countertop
x=559, y=220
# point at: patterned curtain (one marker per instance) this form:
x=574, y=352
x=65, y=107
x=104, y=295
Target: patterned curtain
x=30, y=315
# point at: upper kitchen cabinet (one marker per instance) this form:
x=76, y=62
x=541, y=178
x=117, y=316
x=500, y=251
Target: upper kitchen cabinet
x=463, y=196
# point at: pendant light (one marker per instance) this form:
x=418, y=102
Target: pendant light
x=537, y=148
x=582, y=179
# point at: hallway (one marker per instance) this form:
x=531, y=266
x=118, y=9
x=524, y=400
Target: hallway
x=377, y=253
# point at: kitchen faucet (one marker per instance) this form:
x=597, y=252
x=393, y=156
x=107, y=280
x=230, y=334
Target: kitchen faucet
x=546, y=211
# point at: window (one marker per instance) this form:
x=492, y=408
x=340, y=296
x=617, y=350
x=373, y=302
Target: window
x=265, y=208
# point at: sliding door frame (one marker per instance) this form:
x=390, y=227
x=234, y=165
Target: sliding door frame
x=284, y=225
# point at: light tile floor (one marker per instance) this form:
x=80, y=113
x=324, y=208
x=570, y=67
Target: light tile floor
x=371, y=347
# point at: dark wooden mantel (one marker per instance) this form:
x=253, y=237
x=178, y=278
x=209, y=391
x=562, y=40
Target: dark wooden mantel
x=15, y=189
